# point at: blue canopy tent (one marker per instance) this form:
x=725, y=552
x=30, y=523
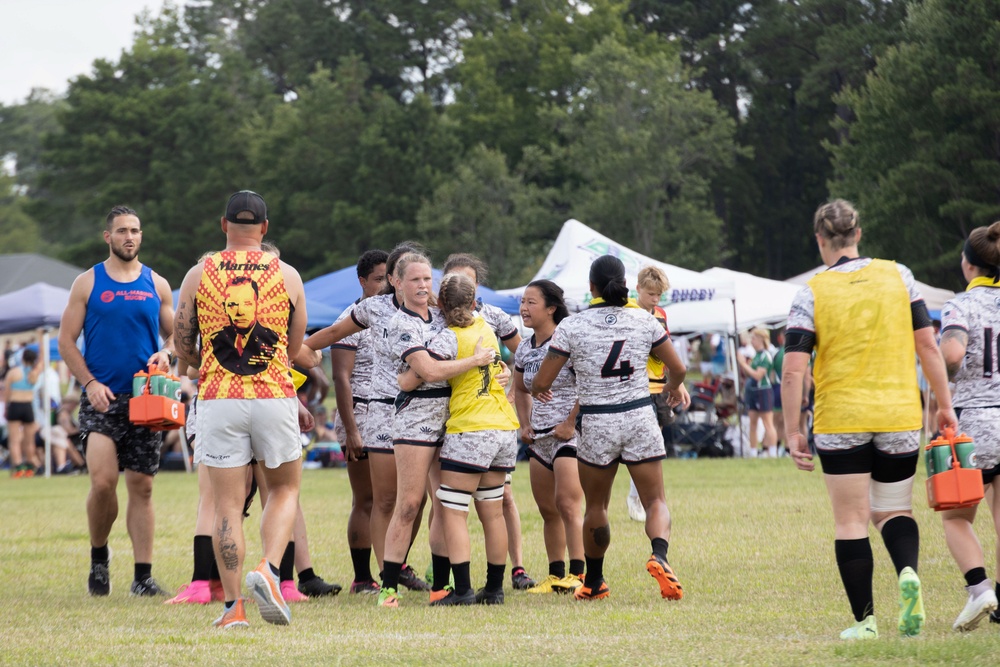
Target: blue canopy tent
x=340, y=289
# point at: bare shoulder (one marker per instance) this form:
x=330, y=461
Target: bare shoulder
x=290, y=273
x=162, y=286
x=82, y=286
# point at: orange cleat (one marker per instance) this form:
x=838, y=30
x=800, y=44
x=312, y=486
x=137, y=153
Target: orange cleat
x=585, y=593
x=659, y=569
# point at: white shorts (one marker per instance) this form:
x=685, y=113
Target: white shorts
x=233, y=431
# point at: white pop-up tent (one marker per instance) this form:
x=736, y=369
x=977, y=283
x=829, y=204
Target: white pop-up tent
x=577, y=246
x=756, y=301
x=934, y=297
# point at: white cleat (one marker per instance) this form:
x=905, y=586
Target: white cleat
x=976, y=609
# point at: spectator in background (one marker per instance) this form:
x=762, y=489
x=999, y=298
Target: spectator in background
x=21, y=424
x=759, y=395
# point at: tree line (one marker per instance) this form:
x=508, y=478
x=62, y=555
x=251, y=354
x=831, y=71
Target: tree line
x=701, y=133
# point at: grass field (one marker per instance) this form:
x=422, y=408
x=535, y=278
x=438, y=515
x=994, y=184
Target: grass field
x=752, y=545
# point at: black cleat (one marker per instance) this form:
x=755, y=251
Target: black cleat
x=453, y=599
x=409, y=578
x=146, y=588
x=316, y=588
x=99, y=581
x=484, y=596
x=520, y=579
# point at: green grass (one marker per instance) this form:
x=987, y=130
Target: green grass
x=752, y=545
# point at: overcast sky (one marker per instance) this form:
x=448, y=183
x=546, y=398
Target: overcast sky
x=44, y=43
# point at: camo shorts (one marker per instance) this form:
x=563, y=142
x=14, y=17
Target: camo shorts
x=360, y=415
x=138, y=448
x=479, y=451
x=547, y=447
x=420, y=421
x=624, y=433
x=376, y=432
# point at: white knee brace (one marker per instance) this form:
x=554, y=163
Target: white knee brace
x=489, y=493
x=891, y=496
x=453, y=498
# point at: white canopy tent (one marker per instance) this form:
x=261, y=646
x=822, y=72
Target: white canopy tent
x=577, y=246
x=757, y=301
x=934, y=297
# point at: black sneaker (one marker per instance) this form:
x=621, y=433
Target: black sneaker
x=520, y=579
x=369, y=587
x=484, y=596
x=146, y=588
x=409, y=578
x=99, y=581
x=994, y=617
x=316, y=588
x=454, y=599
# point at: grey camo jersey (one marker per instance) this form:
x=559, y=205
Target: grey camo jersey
x=375, y=313
x=498, y=320
x=408, y=333
x=364, y=356
x=977, y=313
x=609, y=346
x=527, y=359
x=802, y=314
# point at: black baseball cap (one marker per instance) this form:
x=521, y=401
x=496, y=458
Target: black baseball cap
x=246, y=201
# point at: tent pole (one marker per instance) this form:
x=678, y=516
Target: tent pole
x=46, y=404
x=731, y=363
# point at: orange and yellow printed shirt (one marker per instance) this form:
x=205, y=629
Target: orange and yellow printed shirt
x=243, y=313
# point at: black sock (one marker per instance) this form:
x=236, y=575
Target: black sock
x=214, y=575
x=494, y=576
x=274, y=571
x=143, y=571
x=286, y=570
x=204, y=557
x=660, y=547
x=976, y=575
x=902, y=539
x=463, y=580
x=307, y=575
x=854, y=559
x=100, y=554
x=595, y=572
x=441, y=567
x=576, y=567
x=229, y=605
x=557, y=568
x=390, y=575
x=361, y=558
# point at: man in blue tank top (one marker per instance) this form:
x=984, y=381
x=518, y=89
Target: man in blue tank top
x=122, y=308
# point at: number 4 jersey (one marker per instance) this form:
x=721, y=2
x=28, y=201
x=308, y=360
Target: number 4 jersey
x=977, y=312
x=609, y=346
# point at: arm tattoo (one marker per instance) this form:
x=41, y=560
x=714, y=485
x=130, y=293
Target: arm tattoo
x=552, y=355
x=227, y=547
x=186, y=336
x=960, y=337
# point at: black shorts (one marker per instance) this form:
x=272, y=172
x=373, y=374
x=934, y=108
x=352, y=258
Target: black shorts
x=759, y=399
x=138, y=448
x=20, y=412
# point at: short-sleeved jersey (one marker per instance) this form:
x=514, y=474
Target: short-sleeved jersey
x=763, y=360
x=478, y=402
x=776, y=365
x=803, y=312
x=656, y=370
x=243, y=313
x=364, y=356
x=609, y=346
x=976, y=312
x=374, y=314
x=527, y=359
x=498, y=320
x=409, y=333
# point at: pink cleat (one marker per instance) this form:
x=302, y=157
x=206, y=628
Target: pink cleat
x=197, y=592
x=290, y=593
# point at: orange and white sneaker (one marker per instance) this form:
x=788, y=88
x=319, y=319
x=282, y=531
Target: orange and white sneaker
x=235, y=617
x=267, y=592
x=291, y=594
x=196, y=592
x=585, y=593
x=659, y=569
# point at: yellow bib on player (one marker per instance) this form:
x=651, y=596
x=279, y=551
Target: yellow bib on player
x=478, y=402
x=243, y=312
x=865, y=369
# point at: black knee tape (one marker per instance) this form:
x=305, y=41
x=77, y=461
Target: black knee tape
x=894, y=467
x=852, y=461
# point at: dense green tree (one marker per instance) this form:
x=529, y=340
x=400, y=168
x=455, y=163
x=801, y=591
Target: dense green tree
x=923, y=161
x=18, y=230
x=489, y=211
x=646, y=147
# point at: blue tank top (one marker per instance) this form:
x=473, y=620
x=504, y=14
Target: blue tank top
x=24, y=384
x=121, y=328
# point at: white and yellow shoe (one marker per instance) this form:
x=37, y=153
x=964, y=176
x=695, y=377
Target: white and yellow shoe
x=864, y=629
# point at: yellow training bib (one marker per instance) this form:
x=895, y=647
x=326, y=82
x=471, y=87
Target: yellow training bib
x=478, y=402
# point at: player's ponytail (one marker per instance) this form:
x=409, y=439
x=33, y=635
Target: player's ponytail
x=457, y=299
x=553, y=296
x=607, y=274
x=982, y=250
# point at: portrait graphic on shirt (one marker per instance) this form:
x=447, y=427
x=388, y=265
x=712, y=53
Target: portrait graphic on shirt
x=245, y=346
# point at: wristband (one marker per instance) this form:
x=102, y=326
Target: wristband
x=87, y=384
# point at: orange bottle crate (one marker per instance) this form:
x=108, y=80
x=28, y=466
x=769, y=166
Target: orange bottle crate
x=157, y=413
x=956, y=486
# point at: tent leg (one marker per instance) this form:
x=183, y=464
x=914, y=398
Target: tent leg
x=46, y=404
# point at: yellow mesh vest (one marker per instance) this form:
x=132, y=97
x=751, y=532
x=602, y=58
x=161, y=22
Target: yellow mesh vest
x=865, y=369
x=656, y=370
x=478, y=402
x=243, y=313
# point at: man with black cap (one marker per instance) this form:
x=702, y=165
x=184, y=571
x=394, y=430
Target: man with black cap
x=252, y=308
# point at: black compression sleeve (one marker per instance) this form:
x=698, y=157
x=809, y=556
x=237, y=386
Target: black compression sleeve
x=918, y=312
x=800, y=340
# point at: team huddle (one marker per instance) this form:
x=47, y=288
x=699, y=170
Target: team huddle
x=426, y=410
